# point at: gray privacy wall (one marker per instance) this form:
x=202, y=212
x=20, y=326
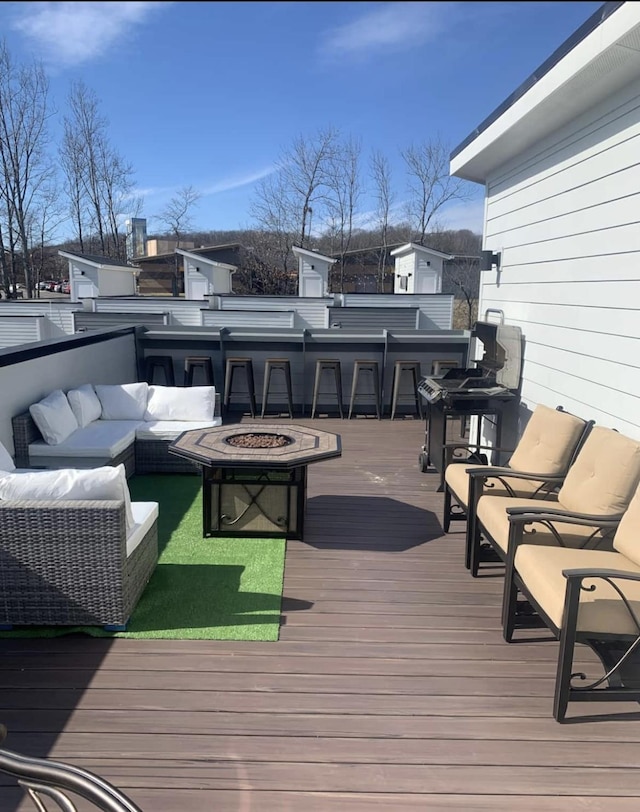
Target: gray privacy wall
x=29, y=374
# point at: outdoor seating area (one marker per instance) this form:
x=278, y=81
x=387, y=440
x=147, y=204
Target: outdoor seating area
x=390, y=682
x=131, y=424
x=562, y=516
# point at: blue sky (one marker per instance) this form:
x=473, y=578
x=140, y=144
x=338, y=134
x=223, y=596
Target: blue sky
x=209, y=94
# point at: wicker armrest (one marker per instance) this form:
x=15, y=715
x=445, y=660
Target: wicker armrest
x=25, y=432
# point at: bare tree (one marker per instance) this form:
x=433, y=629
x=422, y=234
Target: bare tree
x=381, y=174
x=24, y=168
x=286, y=203
x=461, y=275
x=46, y=216
x=98, y=181
x=177, y=217
x=430, y=184
x=270, y=208
x=344, y=189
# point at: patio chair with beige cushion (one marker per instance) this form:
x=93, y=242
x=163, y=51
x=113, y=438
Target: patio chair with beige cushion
x=584, y=595
x=600, y=482
x=536, y=468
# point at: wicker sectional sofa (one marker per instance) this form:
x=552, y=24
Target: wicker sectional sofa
x=132, y=424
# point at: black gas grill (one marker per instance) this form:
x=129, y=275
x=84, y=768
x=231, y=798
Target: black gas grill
x=482, y=390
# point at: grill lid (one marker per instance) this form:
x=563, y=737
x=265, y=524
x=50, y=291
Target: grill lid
x=502, y=351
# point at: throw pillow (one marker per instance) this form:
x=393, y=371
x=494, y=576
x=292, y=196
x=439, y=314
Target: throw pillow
x=125, y=401
x=105, y=483
x=53, y=416
x=6, y=460
x=180, y=403
x=85, y=404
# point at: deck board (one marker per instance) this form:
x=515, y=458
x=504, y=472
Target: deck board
x=390, y=686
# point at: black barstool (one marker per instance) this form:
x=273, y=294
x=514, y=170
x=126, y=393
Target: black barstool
x=281, y=365
x=402, y=370
x=231, y=367
x=331, y=366
x=201, y=362
x=163, y=363
x=371, y=368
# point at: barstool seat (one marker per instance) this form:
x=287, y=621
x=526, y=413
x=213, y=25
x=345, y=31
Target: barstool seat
x=231, y=367
x=163, y=363
x=281, y=365
x=371, y=367
x=201, y=362
x=402, y=370
x=333, y=367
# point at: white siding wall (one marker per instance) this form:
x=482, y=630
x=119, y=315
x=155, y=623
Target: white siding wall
x=247, y=318
x=566, y=219
x=405, y=269
x=309, y=313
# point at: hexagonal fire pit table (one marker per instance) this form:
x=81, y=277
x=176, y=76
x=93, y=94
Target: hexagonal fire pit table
x=254, y=479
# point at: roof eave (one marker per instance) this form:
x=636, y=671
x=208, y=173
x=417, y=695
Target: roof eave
x=598, y=66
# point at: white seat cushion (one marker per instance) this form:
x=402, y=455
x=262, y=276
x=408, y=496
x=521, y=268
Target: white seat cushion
x=6, y=460
x=104, y=483
x=85, y=404
x=126, y=401
x=180, y=403
x=54, y=418
x=144, y=515
x=171, y=429
x=102, y=438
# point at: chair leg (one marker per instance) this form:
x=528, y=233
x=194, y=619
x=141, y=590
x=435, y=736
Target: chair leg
x=509, y=607
x=252, y=392
x=563, y=675
x=265, y=391
x=474, y=548
x=446, y=511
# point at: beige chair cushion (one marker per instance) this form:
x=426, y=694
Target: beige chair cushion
x=604, y=476
x=457, y=479
x=492, y=514
x=601, y=610
x=627, y=539
x=548, y=442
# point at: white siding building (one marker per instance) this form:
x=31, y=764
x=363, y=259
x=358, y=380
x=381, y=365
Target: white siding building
x=560, y=162
x=205, y=277
x=418, y=269
x=91, y=276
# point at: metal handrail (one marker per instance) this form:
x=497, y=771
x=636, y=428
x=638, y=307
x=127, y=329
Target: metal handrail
x=42, y=777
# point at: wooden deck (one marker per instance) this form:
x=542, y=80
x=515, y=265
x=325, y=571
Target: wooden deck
x=390, y=688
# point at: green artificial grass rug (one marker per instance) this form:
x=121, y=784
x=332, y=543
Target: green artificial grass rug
x=202, y=588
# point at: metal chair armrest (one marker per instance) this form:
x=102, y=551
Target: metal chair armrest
x=547, y=514
x=606, y=573
x=503, y=471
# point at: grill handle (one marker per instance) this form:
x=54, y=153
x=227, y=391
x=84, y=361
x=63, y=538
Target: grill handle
x=499, y=312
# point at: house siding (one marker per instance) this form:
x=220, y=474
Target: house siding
x=565, y=218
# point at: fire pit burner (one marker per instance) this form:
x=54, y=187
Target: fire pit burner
x=259, y=440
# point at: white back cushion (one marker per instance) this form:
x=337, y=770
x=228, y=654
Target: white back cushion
x=6, y=460
x=53, y=416
x=180, y=403
x=125, y=401
x=105, y=483
x=85, y=404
